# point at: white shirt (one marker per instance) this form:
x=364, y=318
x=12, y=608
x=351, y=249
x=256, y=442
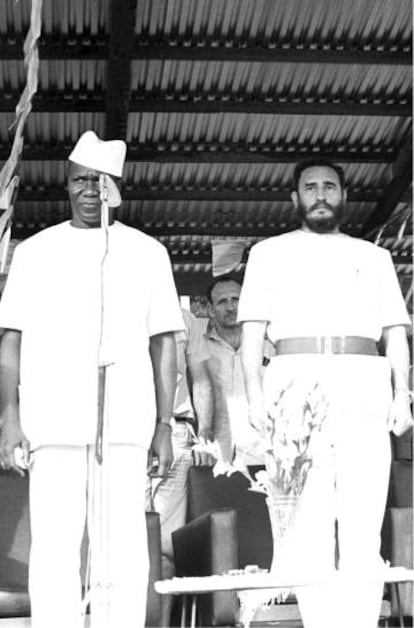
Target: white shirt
x=309, y=284
x=231, y=411
x=191, y=347
x=53, y=295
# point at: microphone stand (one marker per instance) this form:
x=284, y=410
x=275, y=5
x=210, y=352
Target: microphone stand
x=98, y=573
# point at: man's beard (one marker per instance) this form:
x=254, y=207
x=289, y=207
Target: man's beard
x=324, y=223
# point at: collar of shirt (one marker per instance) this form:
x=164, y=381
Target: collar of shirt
x=215, y=337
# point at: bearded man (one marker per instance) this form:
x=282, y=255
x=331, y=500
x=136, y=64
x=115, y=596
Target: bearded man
x=326, y=300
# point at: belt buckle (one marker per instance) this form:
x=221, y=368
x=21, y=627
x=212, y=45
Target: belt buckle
x=326, y=344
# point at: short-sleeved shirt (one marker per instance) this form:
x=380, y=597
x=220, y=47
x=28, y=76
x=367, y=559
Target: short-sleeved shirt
x=54, y=297
x=308, y=284
x=231, y=411
x=191, y=347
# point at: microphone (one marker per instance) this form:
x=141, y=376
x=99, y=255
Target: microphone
x=109, y=191
x=103, y=187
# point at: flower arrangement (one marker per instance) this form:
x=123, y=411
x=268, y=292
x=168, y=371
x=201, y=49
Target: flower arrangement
x=293, y=421
x=289, y=443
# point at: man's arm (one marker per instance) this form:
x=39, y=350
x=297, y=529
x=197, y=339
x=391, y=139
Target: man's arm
x=252, y=346
x=203, y=403
x=11, y=434
x=397, y=352
x=163, y=354
x=202, y=395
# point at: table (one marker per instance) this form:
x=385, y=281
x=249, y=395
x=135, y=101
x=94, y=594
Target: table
x=244, y=582
x=259, y=581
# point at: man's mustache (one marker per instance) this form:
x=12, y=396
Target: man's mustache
x=322, y=206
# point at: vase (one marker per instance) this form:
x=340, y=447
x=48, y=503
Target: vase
x=282, y=513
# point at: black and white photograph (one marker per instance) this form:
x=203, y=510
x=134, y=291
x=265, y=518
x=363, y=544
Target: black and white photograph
x=206, y=314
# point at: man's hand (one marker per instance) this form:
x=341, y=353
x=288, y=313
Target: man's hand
x=400, y=419
x=203, y=458
x=257, y=414
x=161, y=448
x=12, y=438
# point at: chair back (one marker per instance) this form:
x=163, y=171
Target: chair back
x=397, y=533
x=205, y=493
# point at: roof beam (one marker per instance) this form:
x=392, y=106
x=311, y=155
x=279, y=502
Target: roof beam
x=394, y=192
x=121, y=23
x=242, y=153
x=135, y=193
x=97, y=48
x=22, y=231
x=220, y=153
x=204, y=257
x=95, y=103
x=281, y=106
x=273, y=54
x=214, y=229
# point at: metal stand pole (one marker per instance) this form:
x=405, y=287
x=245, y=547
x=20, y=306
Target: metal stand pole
x=100, y=584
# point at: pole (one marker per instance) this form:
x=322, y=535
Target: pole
x=99, y=585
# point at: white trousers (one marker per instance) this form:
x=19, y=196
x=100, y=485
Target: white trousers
x=62, y=493
x=348, y=482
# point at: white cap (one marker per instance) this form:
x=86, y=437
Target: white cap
x=105, y=156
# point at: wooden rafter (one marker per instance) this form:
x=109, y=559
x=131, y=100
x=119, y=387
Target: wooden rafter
x=394, y=192
x=222, y=153
x=204, y=257
x=98, y=102
x=240, y=153
x=134, y=193
x=122, y=22
x=363, y=107
x=97, y=48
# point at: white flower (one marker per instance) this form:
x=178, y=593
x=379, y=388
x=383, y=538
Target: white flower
x=208, y=447
x=294, y=418
x=222, y=468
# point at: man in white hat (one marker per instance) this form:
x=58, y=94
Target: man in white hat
x=82, y=300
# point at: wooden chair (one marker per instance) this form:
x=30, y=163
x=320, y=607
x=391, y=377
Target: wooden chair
x=228, y=528
x=397, y=536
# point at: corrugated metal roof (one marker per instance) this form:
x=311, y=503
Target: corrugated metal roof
x=265, y=176
x=264, y=80
x=280, y=130
x=56, y=75
x=197, y=87
x=67, y=17
x=54, y=128
x=268, y=21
